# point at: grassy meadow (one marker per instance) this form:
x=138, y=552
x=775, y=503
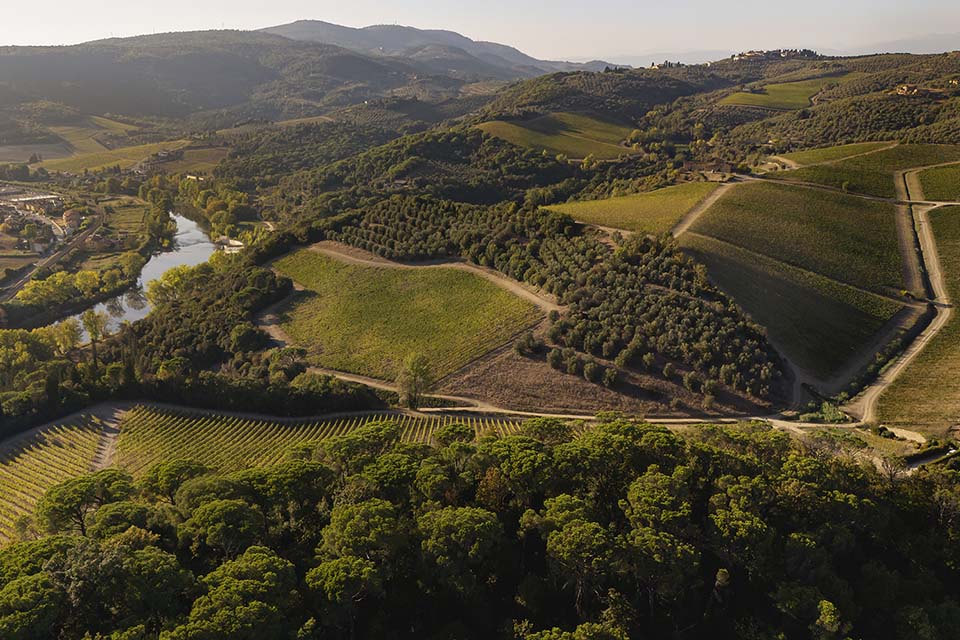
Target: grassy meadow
x=785, y=96
x=874, y=174
x=575, y=135
x=654, y=212
x=941, y=183
x=368, y=320
x=842, y=237
x=816, y=322
x=926, y=396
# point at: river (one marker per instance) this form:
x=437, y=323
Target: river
x=191, y=247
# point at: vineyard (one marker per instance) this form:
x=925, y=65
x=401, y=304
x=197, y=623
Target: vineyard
x=571, y=134
x=30, y=466
x=843, y=237
x=783, y=96
x=926, y=397
x=874, y=173
x=832, y=154
x=124, y=157
x=941, y=183
x=149, y=435
x=369, y=320
x=817, y=322
x=652, y=212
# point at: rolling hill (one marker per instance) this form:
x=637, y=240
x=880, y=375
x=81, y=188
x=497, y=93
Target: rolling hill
x=232, y=73
x=446, y=50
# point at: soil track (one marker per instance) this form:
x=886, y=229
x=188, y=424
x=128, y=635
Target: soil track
x=691, y=216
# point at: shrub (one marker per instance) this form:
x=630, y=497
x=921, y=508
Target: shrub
x=593, y=372
x=555, y=358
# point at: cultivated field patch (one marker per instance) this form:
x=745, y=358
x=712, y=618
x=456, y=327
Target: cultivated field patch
x=197, y=160
x=941, y=183
x=842, y=237
x=873, y=174
x=816, y=322
x=125, y=157
x=926, y=395
x=832, y=154
x=654, y=212
x=150, y=435
x=575, y=135
x=369, y=320
x=784, y=96
x=32, y=464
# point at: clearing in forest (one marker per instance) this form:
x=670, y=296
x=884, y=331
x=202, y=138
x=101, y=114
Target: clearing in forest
x=874, y=173
x=150, y=435
x=784, y=96
x=199, y=160
x=655, y=212
x=817, y=269
x=575, y=135
x=926, y=396
x=369, y=319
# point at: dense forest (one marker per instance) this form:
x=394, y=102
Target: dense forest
x=626, y=530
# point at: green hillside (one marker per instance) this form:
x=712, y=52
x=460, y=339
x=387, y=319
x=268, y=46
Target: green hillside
x=574, y=135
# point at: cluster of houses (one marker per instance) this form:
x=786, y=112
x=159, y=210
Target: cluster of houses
x=775, y=54
x=19, y=207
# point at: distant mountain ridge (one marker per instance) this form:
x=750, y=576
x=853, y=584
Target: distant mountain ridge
x=445, y=50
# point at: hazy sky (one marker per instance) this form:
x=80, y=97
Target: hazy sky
x=546, y=28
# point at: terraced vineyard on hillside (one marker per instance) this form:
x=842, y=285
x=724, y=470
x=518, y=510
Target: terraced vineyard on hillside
x=32, y=464
x=150, y=435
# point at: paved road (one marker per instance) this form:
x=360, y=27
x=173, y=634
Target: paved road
x=53, y=258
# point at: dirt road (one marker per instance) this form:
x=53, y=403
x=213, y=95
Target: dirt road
x=691, y=216
x=907, y=240
x=864, y=406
